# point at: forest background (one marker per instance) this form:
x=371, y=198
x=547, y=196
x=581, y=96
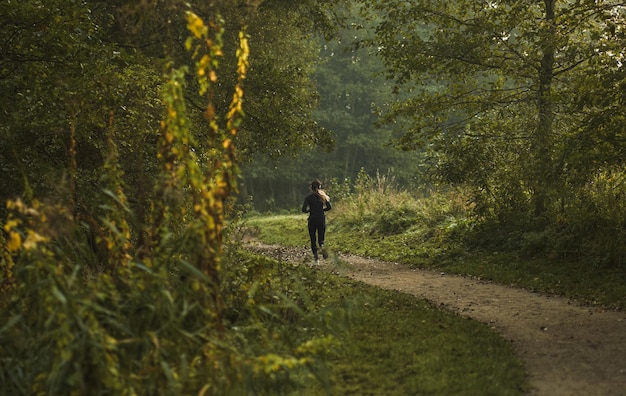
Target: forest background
x=118, y=162
x=524, y=118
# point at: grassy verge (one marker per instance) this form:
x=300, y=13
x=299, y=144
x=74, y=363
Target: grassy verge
x=430, y=245
x=399, y=345
x=396, y=344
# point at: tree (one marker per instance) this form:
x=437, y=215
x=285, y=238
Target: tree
x=351, y=92
x=62, y=79
x=282, y=93
x=492, y=88
x=100, y=65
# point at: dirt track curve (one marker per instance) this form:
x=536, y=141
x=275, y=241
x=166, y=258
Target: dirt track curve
x=567, y=349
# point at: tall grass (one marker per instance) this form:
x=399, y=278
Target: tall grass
x=378, y=206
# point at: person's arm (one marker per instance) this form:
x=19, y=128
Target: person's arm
x=305, y=206
x=327, y=207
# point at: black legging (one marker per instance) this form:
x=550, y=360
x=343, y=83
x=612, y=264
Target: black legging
x=317, y=226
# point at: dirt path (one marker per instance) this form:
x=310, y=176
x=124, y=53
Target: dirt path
x=567, y=349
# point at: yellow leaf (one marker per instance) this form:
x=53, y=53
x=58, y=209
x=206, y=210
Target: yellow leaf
x=204, y=61
x=10, y=225
x=15, y=241
x=195, y=25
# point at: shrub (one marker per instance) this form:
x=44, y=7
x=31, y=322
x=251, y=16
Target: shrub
x=98, y=307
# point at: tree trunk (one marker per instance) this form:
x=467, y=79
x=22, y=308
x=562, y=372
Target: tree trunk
x=543, y=135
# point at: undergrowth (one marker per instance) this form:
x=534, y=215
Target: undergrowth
x=120, y=303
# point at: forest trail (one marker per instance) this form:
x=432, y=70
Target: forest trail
x=567, y=349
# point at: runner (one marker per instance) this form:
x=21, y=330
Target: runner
x=316, y=205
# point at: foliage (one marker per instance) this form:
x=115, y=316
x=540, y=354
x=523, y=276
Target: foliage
x=71, y=63
x=351, y=93
x=595, y=227
x=282, y=93
x=65, y=90
x=106, y=308
x=505, y=95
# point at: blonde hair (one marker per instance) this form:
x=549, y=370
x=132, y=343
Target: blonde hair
x=316, y=186
x=323, y=195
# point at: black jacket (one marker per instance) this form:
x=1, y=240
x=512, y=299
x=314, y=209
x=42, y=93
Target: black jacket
x=315, y=206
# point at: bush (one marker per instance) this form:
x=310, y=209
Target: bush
x=95, y=306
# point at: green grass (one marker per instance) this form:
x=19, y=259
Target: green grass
x=399, y=345
x=285, y=230
x=395, y=344
x=391, y=343
x=422, y=247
